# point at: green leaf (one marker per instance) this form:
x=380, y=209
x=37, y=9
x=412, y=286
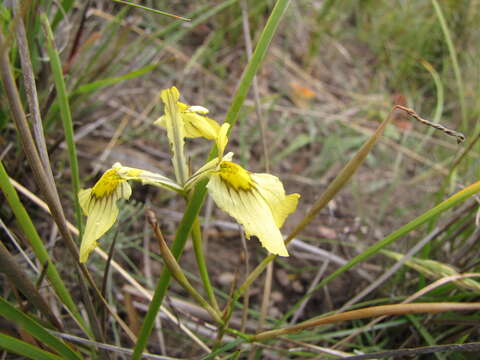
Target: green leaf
x=97, y=85
x=37, y=245
x=65, y=112
x=8, y=311
x=22, y=348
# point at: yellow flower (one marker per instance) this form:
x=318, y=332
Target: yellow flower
x=195, y=123
x=256, y=201
x=99, y=203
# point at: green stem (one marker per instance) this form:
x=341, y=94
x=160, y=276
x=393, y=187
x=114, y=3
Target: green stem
x=152, y=10
x=66, y=115
x=256, y=60
x=181, y=237
x=199, y=193
x=178, y=274
x=453, y=57
x=202, y=266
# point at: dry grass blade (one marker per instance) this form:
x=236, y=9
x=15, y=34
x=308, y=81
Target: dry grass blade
x=411, y=298
x=382, y=310
x=341, y=179
x=152, y=10
x=459, y=136
x=417, y=247
x=333, y=188
x=112, y=348
x=32, y=96
x=48, y=191
x=457, y=348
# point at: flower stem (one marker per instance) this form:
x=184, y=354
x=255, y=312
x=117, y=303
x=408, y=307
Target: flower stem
x=202, y=266
x=198, y=196
x=177, y=272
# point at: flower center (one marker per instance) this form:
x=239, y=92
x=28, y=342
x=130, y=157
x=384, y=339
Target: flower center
x=107, y=184
x=235, y=175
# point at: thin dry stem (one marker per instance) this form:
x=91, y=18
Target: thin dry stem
x=382, y=310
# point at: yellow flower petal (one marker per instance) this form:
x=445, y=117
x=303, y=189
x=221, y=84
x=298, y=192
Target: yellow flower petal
x=175, y=131
x=271, y=189
x=222, y=139
x=195, y=123
x=206, y=170
x=161, y=122
x=251, y=210
x=99, y=203
x=102, y=213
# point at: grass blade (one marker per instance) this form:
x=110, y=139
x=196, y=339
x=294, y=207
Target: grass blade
x=426, y=335
x=97, y=85
x=453, y=57
x=454, y=200
x=152, y=10
x=335, y=186
x=36, y=330
x=65, y=6
x=202, y=265
x=257, y=58
x=36, y=243
x=373, y=311
x=22, y=348
x=66, y=115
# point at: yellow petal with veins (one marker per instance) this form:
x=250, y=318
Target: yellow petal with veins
x=271, y=189
x=195, y=123
x=260, y=210
x=222, y=139
x=102, y=213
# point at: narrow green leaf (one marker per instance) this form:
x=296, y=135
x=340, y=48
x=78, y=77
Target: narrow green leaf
x=227, y=347
x=65, y=6
x=426, y=335
x=152, y=10
x=66, y=115
x=36, y=330
x=37, y=245
x=453, y=56
x=97, y=85
x=22, y=348
x=202, y=265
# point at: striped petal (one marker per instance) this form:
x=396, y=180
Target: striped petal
x=102, y=213
x=251, y=210
x=272, y=191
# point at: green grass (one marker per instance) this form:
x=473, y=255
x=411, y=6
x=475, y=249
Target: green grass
x=328, y=74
